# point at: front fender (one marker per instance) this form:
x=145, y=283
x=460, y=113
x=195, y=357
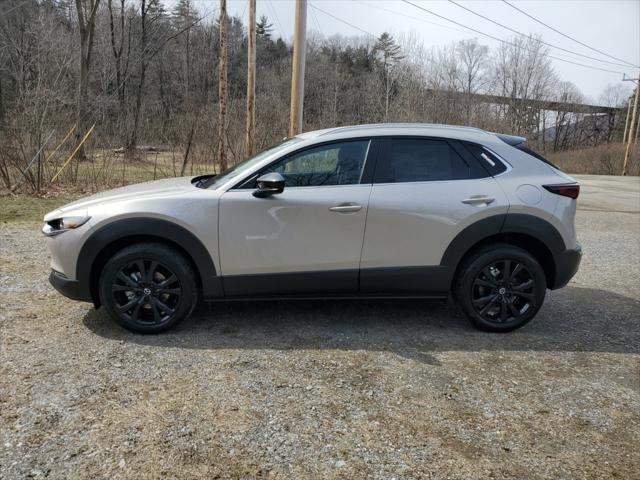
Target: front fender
x=145, y=229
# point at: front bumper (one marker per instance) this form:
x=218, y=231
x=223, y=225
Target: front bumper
x=567, y=264
x=69, y=288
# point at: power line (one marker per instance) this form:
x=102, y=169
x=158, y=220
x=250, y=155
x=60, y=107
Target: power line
x=506, y=41
x=567, y=36
x=275, y=14
x=343, y=21
x=540, y=40
x=315, y=18
x=408, y=16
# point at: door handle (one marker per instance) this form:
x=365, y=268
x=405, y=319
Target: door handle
x=479, y=200
x=348, y=207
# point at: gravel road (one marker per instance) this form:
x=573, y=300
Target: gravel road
x=332, y=389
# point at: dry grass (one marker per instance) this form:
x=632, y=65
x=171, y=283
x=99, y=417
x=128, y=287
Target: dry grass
x=105, y=170
x=604, y=159
x=28, y=208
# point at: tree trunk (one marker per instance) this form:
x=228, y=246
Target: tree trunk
x=133, y=139
x=86, y=26
x=222, y=88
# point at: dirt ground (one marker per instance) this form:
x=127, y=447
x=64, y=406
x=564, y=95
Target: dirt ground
x=347, y=389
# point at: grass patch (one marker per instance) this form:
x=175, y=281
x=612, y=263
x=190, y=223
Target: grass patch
x=24, y=208
x=604, y=159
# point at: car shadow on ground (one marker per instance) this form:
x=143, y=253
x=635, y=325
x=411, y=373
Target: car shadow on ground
x=573, y=319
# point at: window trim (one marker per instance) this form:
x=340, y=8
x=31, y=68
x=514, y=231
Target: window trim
x=454, y=144
x=366, y=176
x=507, y=165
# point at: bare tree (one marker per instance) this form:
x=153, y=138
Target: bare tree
x=472, y=75
x=86, y=10
x=117, y=38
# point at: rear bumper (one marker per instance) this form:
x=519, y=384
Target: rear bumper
x=69, y=288
x=567, y=264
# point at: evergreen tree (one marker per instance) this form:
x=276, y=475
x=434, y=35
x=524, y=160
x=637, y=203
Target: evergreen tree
x=387, y=51
x=264, y=28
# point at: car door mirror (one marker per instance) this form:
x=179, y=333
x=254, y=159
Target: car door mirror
x=269, y=184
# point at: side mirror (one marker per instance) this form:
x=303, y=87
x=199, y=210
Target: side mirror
x=269, y=184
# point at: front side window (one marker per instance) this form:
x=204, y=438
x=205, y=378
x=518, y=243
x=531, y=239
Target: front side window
x=333, y=164
x=421, y=160
x=249, y=163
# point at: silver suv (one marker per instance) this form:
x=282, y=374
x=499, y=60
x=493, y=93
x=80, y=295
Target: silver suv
x=393, y=210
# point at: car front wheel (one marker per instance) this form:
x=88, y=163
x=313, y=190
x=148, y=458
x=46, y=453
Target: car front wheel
x=148, y=287
x=501, y=288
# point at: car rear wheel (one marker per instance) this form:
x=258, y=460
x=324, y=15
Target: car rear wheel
x=148, y=287
x=500, y=288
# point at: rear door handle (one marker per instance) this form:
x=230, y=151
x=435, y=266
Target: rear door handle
x=348, y=207
x=479, y=200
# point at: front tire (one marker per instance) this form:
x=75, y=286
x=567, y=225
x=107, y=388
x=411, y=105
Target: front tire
x=500, y=288
x=148, y=288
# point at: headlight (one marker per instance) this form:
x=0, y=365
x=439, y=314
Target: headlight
x=61, y=225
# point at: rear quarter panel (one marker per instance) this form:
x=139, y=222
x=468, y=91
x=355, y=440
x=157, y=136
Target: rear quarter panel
x=523, y=186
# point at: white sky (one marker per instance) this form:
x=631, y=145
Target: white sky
x=612, y=26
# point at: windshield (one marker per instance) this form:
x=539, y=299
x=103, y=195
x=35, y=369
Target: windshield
x=242, y=167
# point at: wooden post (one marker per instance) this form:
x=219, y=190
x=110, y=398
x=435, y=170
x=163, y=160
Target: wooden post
x=64, y=165
x=634, y=116
x=222, y=87
x=297, y=68
x=251, y=81
x=544, y=130
x=626, y=123
x=635, y=138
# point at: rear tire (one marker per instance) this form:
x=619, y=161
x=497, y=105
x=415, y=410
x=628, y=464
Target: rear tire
x=500, y=288
x=148, y=287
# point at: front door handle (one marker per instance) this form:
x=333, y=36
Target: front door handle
x=348, y=207
x=479, y=200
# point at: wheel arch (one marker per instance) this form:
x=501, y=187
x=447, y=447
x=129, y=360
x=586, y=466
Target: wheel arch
x=111, y=238
x=533, y=234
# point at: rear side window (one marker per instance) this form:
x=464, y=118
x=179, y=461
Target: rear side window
x=421, y=160
x=523, y=148
x=488, y=159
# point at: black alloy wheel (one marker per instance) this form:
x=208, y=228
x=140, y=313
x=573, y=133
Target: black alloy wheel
x=147, y=292
x=503, y=291
x=148, y=287
x=500, y=287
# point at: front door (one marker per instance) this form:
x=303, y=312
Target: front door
x=306, y=239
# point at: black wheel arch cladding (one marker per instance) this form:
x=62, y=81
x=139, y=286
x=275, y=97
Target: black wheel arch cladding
x=504, y=224
x=146, y=229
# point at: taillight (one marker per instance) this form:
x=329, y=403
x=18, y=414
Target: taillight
x=571, y=190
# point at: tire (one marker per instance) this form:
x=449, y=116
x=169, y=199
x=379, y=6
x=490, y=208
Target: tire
x=148, y=287
x=495, y=302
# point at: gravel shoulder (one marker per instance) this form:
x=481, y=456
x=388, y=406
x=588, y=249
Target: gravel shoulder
x=327, y=389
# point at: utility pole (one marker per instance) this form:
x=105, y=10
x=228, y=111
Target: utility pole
x=222, y=87
x=626, y=123
x=297, y=69
x=634, y=115
x=251, y=81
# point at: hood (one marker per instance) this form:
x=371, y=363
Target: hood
x=158, y=188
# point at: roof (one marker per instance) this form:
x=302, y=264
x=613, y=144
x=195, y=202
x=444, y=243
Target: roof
x=381, y=129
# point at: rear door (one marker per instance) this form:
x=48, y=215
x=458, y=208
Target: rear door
x=308, y=239
x=425, y=192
